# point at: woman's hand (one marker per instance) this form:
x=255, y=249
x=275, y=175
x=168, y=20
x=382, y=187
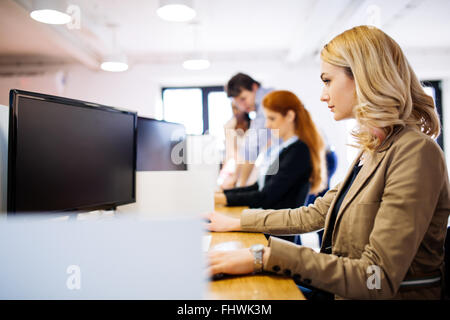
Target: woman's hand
x=229, y=182
x=220, y=198
x=233, y=262
x=222, y=223
x=230, y=262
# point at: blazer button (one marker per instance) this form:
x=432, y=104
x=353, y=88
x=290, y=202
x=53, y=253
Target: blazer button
x=276, y=268
x=307, y=281
x=287, y=272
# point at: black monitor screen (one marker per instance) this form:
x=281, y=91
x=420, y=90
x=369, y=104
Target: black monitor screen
x=69, y=155
x=161, y=145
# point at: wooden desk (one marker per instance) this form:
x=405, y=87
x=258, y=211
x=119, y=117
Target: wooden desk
x=249, y=287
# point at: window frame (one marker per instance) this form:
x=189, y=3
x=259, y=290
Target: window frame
x=205, y=106
x=436, y=85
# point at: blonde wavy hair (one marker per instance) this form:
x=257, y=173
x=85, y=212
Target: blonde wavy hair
x=389, y=95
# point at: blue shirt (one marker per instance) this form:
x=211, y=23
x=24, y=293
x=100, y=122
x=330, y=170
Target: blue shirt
x=258, y=135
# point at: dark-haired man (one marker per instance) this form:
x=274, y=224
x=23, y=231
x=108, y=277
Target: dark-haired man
x=248, y=94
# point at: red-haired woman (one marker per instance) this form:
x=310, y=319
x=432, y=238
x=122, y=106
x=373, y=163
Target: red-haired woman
x=293, y=168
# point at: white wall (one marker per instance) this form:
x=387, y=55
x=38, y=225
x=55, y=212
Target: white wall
x=49, y=81
x=134, y=90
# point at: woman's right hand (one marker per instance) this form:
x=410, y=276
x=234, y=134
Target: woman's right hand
x=222, y=223
x=229, y=182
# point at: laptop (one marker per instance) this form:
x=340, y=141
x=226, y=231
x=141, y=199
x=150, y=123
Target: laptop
x=115, y=258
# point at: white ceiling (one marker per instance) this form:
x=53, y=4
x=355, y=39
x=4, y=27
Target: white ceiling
x=292, y=30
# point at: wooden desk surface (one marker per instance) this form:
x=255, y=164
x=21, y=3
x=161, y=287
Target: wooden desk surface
x=249, y=287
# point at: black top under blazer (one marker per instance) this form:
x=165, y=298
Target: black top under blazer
x=286, y=189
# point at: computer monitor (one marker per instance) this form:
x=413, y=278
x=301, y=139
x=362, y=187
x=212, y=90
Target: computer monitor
x=68, y=155
x=161, y=145
x=4, y=120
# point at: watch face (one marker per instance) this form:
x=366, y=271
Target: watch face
x=257, y=247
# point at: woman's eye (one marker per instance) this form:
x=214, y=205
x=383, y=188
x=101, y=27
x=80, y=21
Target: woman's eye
x=326, y=81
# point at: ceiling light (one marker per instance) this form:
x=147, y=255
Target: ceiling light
x=115, y=60
x=176, y=10
x=50, y=12
x=115, y=63
x=197, y=59
x=196, y=64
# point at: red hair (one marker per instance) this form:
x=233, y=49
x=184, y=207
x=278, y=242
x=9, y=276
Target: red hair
x=281, y=101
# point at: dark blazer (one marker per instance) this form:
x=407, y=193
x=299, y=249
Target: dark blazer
x=287, y=188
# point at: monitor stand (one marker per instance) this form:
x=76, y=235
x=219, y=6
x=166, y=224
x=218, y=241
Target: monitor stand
x=96, y=215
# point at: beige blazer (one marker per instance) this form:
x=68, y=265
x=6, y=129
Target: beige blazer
x=390, y=230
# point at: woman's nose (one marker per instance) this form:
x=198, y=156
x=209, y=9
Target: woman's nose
x=269, y=124
x=324, y=97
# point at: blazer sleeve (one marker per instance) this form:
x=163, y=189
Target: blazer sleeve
x=294, y=163
x=289, y=221
x=414, y=178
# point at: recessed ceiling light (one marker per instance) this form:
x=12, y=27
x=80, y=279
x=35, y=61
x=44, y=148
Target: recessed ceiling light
x=114, y=66
x=50, y=16
x=196, y=64
x=115, y=63
x=176, y=10
x=51, y=12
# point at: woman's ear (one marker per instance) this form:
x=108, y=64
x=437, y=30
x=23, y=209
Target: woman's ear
x=290, y=115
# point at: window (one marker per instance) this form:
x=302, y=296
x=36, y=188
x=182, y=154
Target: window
x=184, y=106
x=433, y=88
x=219, y=112
x=201, y=109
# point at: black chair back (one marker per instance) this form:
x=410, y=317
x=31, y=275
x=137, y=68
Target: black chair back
x=447, y=266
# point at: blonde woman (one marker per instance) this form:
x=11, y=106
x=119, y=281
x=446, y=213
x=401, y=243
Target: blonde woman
x=385, y=223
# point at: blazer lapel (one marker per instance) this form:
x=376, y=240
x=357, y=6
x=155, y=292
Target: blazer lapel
x=333, y=203
x=367, y=170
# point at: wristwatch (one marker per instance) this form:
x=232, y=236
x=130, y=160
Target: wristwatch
x=257, y=250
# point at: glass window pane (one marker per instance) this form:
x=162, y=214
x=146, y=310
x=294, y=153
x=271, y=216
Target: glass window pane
x=219, y=112
x=184, y=106
x=430, y=91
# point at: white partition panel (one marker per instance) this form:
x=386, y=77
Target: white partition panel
x=172, y=193
x=4, y=120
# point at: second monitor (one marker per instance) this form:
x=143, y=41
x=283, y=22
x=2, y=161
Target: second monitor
x=161, y=145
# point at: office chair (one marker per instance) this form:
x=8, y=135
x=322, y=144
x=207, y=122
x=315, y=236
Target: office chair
x=446, y=293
